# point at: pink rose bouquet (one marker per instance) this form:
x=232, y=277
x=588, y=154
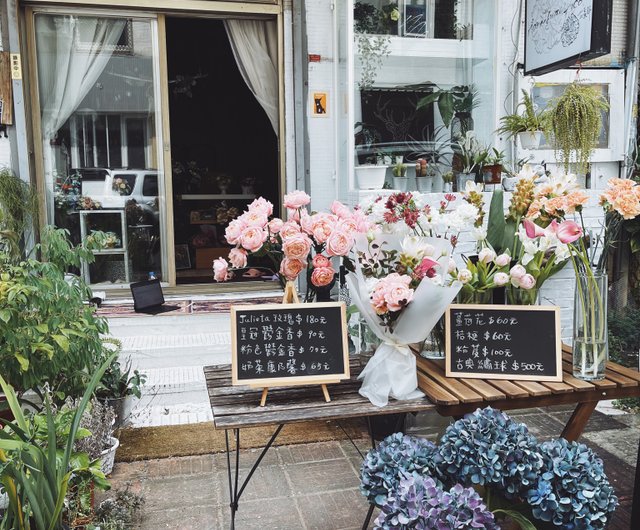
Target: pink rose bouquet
x=303, y=242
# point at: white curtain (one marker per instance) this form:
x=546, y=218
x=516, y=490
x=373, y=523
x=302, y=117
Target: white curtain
x=72, y=52
x=255, y=47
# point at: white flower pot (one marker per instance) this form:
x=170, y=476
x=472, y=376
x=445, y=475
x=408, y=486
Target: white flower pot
x=530, y=139
x=463, y=178
x=447, y=186
x=400, y=183
x=370, y=177
x=424, y=184
x=108, y=456
x=438, y=184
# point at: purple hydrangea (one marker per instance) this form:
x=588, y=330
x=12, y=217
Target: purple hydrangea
x=572, y=491
x=396, y=454
x=419, y=502
x=488, y=448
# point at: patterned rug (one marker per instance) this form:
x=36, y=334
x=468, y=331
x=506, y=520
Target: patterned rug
x=184, y=307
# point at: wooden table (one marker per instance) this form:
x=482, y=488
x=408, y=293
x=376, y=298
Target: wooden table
x=237, y=407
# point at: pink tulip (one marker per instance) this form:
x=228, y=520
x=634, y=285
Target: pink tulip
x=568, y=231
x=532, y=229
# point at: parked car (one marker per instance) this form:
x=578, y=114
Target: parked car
x=114, y=187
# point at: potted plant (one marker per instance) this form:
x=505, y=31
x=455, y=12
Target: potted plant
x=575, y=120
x=370, y=173
x=117, y=384
x=400, y=178
x=447, y=181
x=424, y=179
x=100, y=444
x=247, y=185
x=455, y=106
x=493, y=167
x=471, y=155
x=224, y=181
x=528, y=126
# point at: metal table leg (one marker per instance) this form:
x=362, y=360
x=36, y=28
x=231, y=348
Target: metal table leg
x=234, y=492
x=369, y=515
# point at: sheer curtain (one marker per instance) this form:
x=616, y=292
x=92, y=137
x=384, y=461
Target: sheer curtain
x=71, y=52
x=255, y=47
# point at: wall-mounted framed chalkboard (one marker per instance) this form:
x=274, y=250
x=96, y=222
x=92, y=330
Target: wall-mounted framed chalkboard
x=504, y=342
x=289, y=344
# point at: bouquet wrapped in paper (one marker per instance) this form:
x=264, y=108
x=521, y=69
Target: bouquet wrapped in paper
x=401, y=287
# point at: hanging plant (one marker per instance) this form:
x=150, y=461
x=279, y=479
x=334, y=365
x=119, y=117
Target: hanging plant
x=576, y=119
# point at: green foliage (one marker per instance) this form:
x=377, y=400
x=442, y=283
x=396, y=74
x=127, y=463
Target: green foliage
x=373, y=50
x=18, y=211
x=119, y=382
x=119, y=512
x=501, y=231
x=47, y=333
x=528, y=120
x=575, y=121
x=456, y=100
x=36, y=475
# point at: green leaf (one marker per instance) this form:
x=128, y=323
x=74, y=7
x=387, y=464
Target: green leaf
x=42, y=328
x=497, y=223
x=635, y=244
x=428, y=100
x=445, y=106
x=62, y=341
x=5, y=315
x=24, y=362
x=524, y=522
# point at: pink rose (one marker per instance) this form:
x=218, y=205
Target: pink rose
x=426, y=268
x=291, y=267
x=339, y=243
x=486, y=255
x=503, y=260
x=296, y=246
x=348, y=225
x=238, y=258
x=288, y=229
x=341, y=210
x=321, y=261
x=533, y=230
x=296, y=199
x=220, y=269
x=252, y=238
x=527, y=282
x=397, y=292
x=254, y=218
x=306, y=222
x=234, y=231
x=322, y=276
x=362, y=222
x=378, y=299
x=517, y=271
x=322, y=225
x=293, y=215
x=501, y=278
x=275, y=225
x=568, y=232
x=261, y=205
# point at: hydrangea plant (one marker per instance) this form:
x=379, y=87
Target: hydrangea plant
x=572, y=490
x=488, y=448
x=419, y=502
x=398, y=453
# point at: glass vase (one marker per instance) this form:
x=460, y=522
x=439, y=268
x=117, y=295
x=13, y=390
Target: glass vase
x=434, y=345
x=475, y=297
x=518, y=296
x=590, y=341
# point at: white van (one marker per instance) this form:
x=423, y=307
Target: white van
x=140, y=184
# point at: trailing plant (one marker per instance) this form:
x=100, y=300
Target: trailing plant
x=528, y=120
x=575, y=120
x=47, y=333
x=18, y=211
x=373, y=50
x=36, y=477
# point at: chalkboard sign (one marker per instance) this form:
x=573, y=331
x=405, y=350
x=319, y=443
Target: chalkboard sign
x=282, y=344
x=504, y=342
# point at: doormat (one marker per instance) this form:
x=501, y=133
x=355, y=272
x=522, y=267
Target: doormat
x=185, y=307
x=146, y=443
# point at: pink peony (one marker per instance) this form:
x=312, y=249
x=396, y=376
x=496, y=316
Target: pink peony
x=321, y=261
x=339, y=243
x=261, y=205
x=220, y=269
x=234, y=231
x=252, y=238
x=348, y=225
x=361, y=221
x=238, y=258
x=275, y=225
x=397, y=291
x=288, y=229
x=291, y=267
x=341, y=210
x=568, y=231
x=296, y=246
x=254, y=218
x=296, y=199
x=322, y=276
x=527, y=282
x=293, y=215
x=322, y=225
x=426, y=268
x=306, y=222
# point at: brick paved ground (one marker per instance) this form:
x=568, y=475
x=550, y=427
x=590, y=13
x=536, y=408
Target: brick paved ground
x=315, y=486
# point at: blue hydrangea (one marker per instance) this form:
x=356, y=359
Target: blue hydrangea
x=488, y=448
x=419, y=502
x=572, y=491
x=396, y=454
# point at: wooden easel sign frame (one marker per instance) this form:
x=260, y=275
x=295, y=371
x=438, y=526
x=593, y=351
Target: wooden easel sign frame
x=532, y=340
x=290, y=301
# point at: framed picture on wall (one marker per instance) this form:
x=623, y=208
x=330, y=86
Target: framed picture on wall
x=183, y=259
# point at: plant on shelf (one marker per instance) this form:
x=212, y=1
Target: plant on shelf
x=532, y=122
x=575, y=120
x=223, y=181
x=457, y=102
x=372, y=51
x=469, y=155
x=493, y=166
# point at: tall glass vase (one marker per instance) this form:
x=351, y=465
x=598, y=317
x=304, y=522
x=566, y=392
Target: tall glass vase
x=590, y=341
x=519, y=296
x=434, y=345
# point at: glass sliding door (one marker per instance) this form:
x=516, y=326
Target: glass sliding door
x=99, y=120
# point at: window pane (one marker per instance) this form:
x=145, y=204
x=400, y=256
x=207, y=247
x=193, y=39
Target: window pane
x=98, y=109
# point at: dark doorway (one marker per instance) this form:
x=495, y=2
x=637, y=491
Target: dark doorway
x=223, y=147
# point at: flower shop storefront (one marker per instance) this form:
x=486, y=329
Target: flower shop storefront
x=135, y=135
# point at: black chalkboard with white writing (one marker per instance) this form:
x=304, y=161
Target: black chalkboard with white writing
x=277, y=344
x=504, y=342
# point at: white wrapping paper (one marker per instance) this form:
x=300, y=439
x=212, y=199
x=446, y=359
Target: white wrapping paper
x=392, y=369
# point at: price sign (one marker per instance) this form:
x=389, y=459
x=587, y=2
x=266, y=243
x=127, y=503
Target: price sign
x=504, y=342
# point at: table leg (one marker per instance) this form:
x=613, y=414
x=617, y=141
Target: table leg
x=578, y=420
x=369, y=515
x=234, y=492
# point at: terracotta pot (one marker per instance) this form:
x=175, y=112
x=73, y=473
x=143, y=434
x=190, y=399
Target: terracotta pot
x=492, y=174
